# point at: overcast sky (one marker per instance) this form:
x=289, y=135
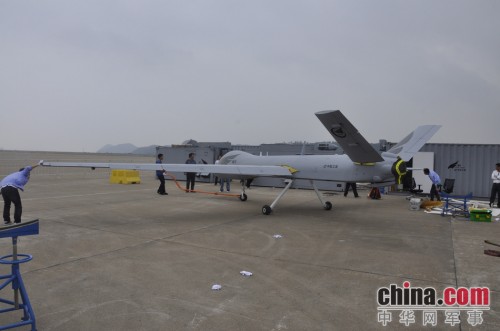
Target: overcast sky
x=76, y=75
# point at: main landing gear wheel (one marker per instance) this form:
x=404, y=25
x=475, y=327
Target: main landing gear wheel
x=328, y=205
x=266, y=210
x=243, y=197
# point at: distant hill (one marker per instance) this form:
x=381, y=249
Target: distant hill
x=128, y=149
x=121, y=148
x=148, y=150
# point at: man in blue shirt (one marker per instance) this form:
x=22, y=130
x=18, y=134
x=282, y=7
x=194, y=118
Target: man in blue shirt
x=159, y=174
x=436, y=181
x=10, y=187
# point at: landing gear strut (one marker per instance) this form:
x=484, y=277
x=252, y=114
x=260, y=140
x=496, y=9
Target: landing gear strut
x=266, y=210
x=326, y=204
x=243, y=196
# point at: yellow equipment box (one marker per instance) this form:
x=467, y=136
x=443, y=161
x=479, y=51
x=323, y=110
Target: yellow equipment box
x=124, y=177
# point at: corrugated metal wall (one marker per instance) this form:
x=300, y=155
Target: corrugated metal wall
x=470, y=165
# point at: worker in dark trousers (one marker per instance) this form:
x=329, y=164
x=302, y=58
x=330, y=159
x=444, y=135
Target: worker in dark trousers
x=354, y=189
x=495, y=188
x=436, y=182
x=190, y=176
x=159, y=174
x=10, y=187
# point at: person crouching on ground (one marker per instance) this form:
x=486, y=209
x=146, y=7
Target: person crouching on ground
x=10, y=187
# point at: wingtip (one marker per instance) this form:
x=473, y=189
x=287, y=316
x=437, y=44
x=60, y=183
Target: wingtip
x=325, y=112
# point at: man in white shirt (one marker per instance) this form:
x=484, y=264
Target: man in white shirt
x=495, y=188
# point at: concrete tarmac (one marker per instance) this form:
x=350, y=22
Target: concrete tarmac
x=122, y=257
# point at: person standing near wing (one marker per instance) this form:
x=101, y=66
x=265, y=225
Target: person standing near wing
x=190, y=176
x=354, y=189
x=159, y=174
x=10, y=187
